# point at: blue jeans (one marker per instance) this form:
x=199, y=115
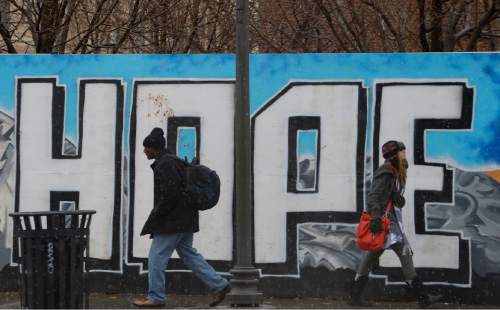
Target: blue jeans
x=162, y=248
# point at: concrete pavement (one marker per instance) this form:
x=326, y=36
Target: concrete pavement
x=10, y=300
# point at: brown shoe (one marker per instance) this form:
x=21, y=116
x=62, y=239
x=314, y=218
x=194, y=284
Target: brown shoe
x=220, y=295
x=146, y=303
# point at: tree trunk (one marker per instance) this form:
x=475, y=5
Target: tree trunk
x=62, y=36
x=4, y=28
x=422, y=30
x=47, y=26
x=436, y=26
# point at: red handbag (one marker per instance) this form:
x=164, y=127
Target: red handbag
x=370, y=241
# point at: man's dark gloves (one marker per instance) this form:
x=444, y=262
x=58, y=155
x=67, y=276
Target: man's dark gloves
x=376, y=225
x=398, y=200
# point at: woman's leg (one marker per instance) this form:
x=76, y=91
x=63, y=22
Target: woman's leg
x=406, y=260
x=364, y=268
x=367, y=262
x=423, y=299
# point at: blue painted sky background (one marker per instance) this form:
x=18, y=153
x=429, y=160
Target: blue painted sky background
x=307, y=143
x=474, y=150
x=186, y=143
x=69, y=68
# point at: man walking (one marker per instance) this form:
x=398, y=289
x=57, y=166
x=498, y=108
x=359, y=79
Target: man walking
x=171, y=226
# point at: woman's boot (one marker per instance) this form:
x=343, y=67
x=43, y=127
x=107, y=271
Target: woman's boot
x=355, y=292
x=424, y=300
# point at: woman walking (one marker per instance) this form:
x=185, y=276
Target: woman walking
x=389, y=182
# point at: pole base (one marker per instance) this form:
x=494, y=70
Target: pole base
x=244, y=288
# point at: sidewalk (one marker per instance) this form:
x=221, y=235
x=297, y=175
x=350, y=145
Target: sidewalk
x=10, y=300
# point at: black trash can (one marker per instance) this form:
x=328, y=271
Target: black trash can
x=53, y=251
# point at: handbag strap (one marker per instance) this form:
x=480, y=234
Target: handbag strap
x=389, y=207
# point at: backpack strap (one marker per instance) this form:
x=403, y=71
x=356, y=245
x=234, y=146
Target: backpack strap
x=184, y=166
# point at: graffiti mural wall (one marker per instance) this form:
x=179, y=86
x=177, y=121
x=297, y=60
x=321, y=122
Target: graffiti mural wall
x=71, y=131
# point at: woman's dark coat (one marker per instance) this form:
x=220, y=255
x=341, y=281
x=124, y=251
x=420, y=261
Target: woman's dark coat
x=381, y=190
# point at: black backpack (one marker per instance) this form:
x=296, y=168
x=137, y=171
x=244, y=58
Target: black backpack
x=201, y=186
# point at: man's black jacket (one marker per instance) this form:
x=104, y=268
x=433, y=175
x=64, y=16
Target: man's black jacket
x=168, y=214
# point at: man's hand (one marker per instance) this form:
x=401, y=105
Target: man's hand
x=376, y=225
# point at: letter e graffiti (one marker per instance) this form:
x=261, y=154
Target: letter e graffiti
x=404, y=111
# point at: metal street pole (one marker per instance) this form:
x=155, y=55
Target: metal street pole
x=244, y=276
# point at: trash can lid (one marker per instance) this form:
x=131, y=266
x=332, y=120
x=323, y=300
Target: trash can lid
x=76, y=212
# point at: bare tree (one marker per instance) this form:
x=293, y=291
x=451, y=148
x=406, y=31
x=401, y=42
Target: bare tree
x=376, y=25
x=327, y=26
x=208, y=26
x=5, y=32
x=189, y=26
x=331, y=25
x=117, y=26
x=458, y=25
x=285, y=26
x=50, y=26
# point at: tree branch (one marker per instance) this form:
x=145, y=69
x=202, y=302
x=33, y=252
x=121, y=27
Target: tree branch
x=268, y=41
x=346, y=24
x=489, y=16
x=331, y=25
x=94, y=24
x=128, y=29
x=386, y=20
x=4, y=32
x=7, y=38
